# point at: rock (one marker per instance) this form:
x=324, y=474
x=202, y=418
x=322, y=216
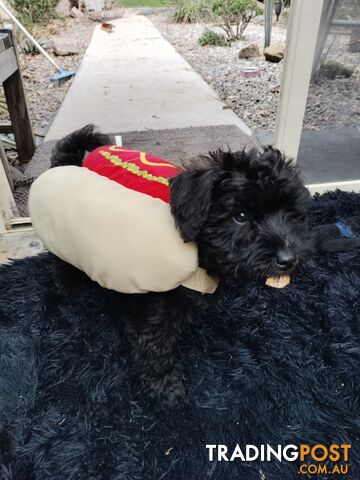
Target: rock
x=275, y=52
x=46, y=44
x=62, y=9
x=63, y=48
x=333, y=69
x=107, y=27
x=250, y=51
x=76, y=13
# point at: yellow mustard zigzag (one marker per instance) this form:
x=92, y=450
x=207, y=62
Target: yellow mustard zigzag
x=131, y=167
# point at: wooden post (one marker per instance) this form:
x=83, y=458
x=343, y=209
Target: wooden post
x=19, y=113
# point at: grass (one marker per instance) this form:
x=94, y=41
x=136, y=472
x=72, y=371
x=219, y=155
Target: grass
x=143, y=3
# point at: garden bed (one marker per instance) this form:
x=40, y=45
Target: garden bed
x=331, y=103
x=45, y=97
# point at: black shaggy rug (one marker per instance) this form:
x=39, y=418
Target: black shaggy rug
x=268, y=367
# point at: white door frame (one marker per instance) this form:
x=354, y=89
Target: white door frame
x=302, y=35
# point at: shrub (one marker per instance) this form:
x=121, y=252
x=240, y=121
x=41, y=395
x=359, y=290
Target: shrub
x=191, y=11
x=234, y=13
x=209, y=37
x=34, y=11
x=30, y=49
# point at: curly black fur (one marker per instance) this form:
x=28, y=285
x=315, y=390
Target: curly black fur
x=72, y=148
x=247, y=213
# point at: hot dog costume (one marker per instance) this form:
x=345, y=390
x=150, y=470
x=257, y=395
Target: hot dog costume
x=111, y=219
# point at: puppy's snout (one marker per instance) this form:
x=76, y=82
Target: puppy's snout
x=286, y=259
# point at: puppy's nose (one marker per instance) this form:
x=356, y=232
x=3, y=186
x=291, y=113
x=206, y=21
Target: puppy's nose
x=286, y=259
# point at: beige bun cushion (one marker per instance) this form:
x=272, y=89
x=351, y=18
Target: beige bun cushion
x=122, y=239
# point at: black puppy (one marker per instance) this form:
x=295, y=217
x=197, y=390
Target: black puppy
x=247, y=213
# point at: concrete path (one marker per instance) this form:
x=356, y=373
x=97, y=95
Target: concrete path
x=134, y=80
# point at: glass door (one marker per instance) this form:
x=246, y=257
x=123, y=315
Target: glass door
x=319, y=114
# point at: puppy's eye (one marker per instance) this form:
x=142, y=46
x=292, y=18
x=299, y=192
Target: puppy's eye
x=241, y=217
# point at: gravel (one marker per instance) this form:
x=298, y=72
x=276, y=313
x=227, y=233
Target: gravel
x=44, y=97
x=331, y=103
x=335, y=103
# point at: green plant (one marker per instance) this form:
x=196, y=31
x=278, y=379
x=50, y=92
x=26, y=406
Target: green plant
x=234, y=16
x=191, y=11
x=30, y=49
x=209, y=37
x=34, y=11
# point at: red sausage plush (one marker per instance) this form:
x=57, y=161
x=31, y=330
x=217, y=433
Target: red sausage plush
x=138, y=171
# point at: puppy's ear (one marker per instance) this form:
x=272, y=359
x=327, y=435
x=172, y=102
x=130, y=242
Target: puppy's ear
x=190, y=199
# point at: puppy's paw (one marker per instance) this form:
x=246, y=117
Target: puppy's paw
x=67, y=279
